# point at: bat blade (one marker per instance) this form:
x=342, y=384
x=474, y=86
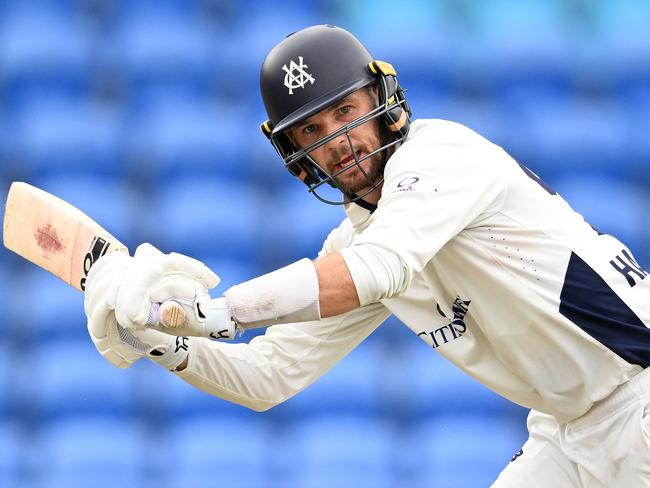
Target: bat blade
x=54, y=234
x=63, y=240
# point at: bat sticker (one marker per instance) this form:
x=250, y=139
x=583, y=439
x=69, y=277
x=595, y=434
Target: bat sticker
x=98, y=247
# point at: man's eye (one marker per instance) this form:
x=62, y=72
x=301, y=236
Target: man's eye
x=345, y=109
x=309, y=129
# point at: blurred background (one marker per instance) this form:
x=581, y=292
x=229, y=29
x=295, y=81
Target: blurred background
x=145, y=114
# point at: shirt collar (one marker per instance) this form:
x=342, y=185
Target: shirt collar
x=357, y=214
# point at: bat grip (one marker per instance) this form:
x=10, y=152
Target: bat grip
x=169, y=314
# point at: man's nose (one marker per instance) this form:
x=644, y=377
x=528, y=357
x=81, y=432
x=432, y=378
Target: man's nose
x=339, y=140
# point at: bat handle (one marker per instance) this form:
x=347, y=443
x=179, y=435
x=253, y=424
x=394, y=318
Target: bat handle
x=169, y=314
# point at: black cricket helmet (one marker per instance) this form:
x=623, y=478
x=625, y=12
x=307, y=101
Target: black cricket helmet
x=312, y=69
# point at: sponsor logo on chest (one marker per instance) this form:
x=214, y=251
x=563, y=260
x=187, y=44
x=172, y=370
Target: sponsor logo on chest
x=455, y=329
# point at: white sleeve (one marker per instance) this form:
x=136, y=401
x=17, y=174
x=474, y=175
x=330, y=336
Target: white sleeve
x=377, y=272
x=282, y=362
x=431, y=193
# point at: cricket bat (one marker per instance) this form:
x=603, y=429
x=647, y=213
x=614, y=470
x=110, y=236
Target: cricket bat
x=60, y=238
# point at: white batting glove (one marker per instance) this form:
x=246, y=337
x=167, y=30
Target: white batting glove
x=151, y=278
x=137, y=288
x=122, y=347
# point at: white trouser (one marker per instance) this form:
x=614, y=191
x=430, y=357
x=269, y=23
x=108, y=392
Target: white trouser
x=608, y=447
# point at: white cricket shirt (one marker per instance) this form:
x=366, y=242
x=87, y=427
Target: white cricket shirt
x=504, y=279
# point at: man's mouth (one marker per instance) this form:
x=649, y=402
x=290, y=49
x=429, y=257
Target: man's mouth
x=346, y=161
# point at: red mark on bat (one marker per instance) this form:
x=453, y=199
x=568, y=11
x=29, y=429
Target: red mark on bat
x=48, y=240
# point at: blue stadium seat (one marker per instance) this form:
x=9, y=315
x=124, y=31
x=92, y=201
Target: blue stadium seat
x=57, y=134
x=561, y=134
x=297, y=223
x=637, y=111
x=341, y=451
x=110, y=202
x=613, y=206
x=57, y=309
x=91, y=451
x=6, y=275
x=14, y=287
x=178, y=135
x=156, y=46
x=215, y=450
x=60, y=7
x=624, y=34
x=424, y=383
x=231, y=271
x=71, y=378
x=521, y=43
x=4, y=149
x=7, y=400
x=460, y=450
x=128, y=8
x=12, y=449
x=423, y=46
x=40, y=46
x=201, y=216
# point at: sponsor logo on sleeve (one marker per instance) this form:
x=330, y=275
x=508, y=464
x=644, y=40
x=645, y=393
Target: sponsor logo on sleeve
x=517, y=455
x=407, y=184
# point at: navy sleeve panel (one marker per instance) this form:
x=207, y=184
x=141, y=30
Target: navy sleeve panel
x=587, y=301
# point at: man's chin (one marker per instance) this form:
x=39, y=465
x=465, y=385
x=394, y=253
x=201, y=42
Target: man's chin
x=356, y=182
x=358, y=189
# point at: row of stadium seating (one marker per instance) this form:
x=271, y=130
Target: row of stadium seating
x=142, y=39
x=175, y=132
x=394, y=374
x=217, y=450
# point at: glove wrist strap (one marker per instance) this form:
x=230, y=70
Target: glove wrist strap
x=174, y=355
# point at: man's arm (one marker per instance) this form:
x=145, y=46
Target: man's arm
x=337, y=291
x=282, y=362
x=306, y=290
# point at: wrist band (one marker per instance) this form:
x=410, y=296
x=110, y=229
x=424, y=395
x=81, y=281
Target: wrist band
x=289, y=294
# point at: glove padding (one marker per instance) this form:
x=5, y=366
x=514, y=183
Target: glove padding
x=154, y=277
x=126, y=290
x=118, y=278
x=186, y=282
x=122, y=347
x=119, y=346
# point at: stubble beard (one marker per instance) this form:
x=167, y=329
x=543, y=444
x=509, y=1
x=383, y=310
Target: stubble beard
x=354, y=181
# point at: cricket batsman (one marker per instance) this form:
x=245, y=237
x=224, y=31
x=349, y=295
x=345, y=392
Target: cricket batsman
x=471, y=250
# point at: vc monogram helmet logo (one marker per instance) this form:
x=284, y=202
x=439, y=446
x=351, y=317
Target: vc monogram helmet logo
x=296, y=76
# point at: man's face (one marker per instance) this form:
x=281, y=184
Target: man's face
x=337, y=153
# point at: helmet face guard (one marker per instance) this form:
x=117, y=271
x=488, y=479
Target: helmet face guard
x=304, y=167
x=358, y=70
